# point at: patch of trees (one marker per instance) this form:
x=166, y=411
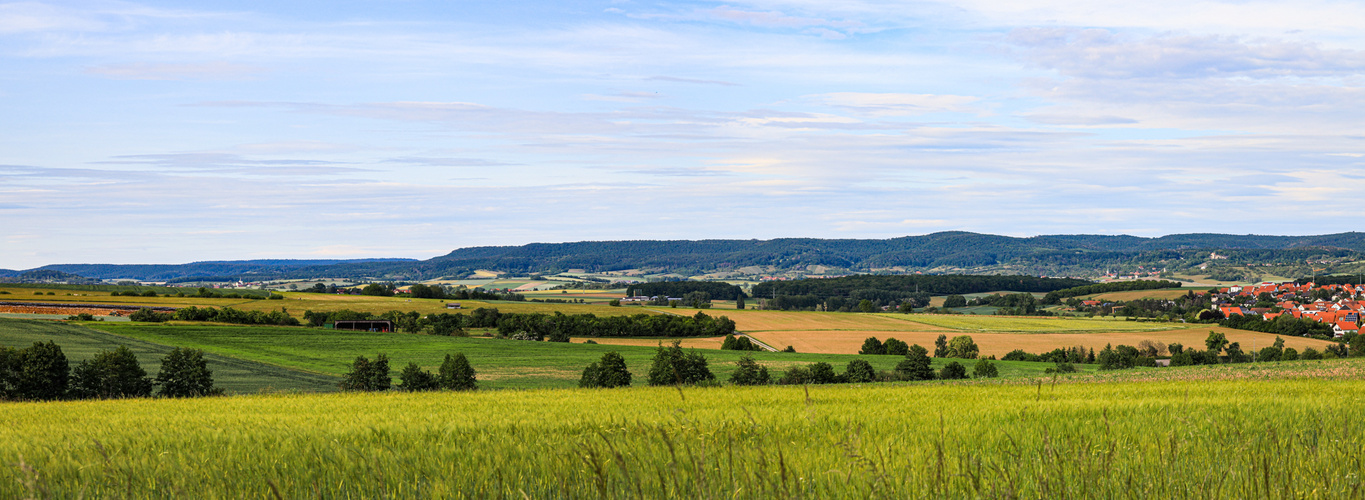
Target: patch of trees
x=1073, y=355
x=846, y=293
x=740, y=343
x=714, y=289
x=42, y=372
x=1012, y=304
x=961, y=347
x=915, y=366
x=557, y=327
x=607, y=373
x=234, y=316
x=455, y=374
x=891, y=347
x=673, y=366
x=1056, y=296
x=1283, y=325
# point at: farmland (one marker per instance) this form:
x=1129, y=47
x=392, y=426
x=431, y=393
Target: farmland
x=1277, y=436
x=505, y=364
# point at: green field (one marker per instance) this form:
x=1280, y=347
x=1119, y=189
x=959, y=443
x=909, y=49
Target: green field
x=502, y=364
x=1280, y=437
x=1020, y=324
x=233, y=374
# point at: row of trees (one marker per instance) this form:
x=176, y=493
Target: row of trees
x=1056, y=296
x=455, y=374
x=557, y=327
x=42, y=372
x=740, y=343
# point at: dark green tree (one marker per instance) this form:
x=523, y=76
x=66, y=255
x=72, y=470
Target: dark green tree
x=366, y=375
x=866, y=306
x=1289, y=354
x=915, y=366
x=953, y=371
x=896, y=347
x=111, y=374
x=414, y=378
x=672, y=366
x=41, y=372
x=872, y=346
x=749, y=372
x=985, y=369
x=456, y=374
x=1216, y=342
x=609, y=372
x=823, y=373
x=955, y=301
x=739, y=302
x=859, y=371
x=185, y=374
x=941, y=346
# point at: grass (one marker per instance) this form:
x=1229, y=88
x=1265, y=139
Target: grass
x=232, y=374
x=1244, y=438
x=501, y=364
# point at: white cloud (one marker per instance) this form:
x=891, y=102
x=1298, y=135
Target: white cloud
x=893, y=104
x=218, y=70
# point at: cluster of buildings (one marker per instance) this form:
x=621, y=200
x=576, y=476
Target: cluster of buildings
x=1340, y=309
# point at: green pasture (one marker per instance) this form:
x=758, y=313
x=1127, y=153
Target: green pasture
x=233, y=374
x=1245, y=438
x=502, y=364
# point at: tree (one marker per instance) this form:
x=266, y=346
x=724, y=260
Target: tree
x=1357, y=346
x=953, y=371
x=377, y=289
x=1269, y=353
x=985, y=369
x=185, y=374
x=368, y=376
x=749, y=372
x=149, y=316
x=941, y=346
x=672, y=366
x=962, y=346
x=607, y=373
x=955, y=301
x=1289, y=354
x=866, y=306
x=111, y=374
x=859, y=371
x=739, y=302
x=40, y=372
x=1216, y=342
x=456, y=375
x=823, y=373
x=414, y=378
x=915, y=366
x=1310, y=353
x=896, y=347
x=872, y=346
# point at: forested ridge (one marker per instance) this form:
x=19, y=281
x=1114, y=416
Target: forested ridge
x=1051, y=254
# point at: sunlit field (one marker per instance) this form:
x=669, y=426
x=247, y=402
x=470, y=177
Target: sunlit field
x=1271, y=437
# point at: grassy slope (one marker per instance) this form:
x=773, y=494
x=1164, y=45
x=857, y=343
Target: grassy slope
x=500, y=363
x=232, y=374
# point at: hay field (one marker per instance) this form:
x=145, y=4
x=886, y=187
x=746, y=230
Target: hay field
x=1244, y=438
x=1031, y=324
x=999, y=344
x=758, y=321
x=1140, y=294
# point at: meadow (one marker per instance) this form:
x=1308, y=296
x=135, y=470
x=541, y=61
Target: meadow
x=501, y=364
x=1274, y=437
x=233, y=374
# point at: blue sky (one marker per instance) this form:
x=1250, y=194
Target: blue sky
x=167, y=132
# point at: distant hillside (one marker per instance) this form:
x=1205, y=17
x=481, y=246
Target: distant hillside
x=952, y=252
x=235, y=268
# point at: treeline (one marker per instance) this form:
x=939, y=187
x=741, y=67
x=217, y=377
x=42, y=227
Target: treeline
x=716, y=289
x=1285, y=324
x=217, y=315
x=847, y=293
x=557, y=327
x=203, y=293
x=455, y=374
x=43, y=373
x=1056, y=296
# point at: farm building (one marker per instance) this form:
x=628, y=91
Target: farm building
x=364, y=325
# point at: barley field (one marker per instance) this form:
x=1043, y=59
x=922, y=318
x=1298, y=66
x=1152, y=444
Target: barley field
x=1276, y=437
x=1026, y=324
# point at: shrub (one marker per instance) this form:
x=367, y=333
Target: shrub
x=456, y=374
x=185, y=374
x=915, y=366
x=823, y=373
x=895, y=347
x=872, y=346
x=414, y=378
x=953, y=371
x=149, y=316
x=749, y=372
x=859, y=371
x=1062, y=367
x=1289, y=354
x=789, y=349
x=111, y=374
x=609, y=372
x=985, y=369
x=673, y=366
x=795, y=375
x=368, y=376
x=1310, y=353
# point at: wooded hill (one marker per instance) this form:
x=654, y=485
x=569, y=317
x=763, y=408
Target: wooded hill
x=956, y=251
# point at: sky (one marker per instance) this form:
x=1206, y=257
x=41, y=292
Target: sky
x=171, y=132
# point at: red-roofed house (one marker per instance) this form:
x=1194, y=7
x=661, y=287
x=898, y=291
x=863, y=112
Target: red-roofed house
x=1344, y=327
